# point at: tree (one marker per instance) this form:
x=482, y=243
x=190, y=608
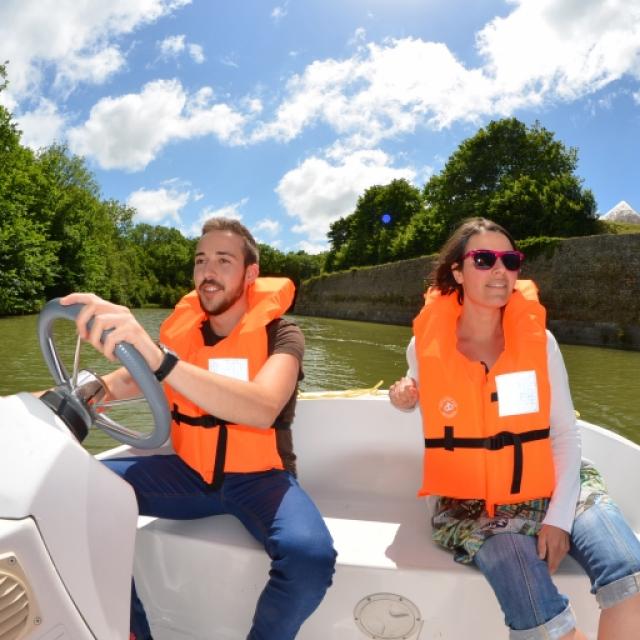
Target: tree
x=519, y=176
x=366, y=236
x=420, y=237
x=165, y=259
x=27, y=256
x=296, y=265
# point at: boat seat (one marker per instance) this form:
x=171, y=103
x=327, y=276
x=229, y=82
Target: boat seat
x=363, y=482
x=364, y=479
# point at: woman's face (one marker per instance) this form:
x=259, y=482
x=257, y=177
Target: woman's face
x=486, y=287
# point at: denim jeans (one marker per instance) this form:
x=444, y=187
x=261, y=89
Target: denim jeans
x=601, y=542
x=275, y=510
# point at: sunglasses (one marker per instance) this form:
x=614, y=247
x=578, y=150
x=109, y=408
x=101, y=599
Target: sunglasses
x=484, y=259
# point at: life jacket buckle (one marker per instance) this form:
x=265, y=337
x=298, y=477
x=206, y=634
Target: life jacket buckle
x=500, y=440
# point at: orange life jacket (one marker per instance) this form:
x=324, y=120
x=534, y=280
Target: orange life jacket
x=471, y=450
x=206, y=443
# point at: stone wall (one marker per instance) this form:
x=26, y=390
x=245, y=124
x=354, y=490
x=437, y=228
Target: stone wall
x=590, y=286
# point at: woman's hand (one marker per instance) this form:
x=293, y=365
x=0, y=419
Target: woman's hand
x=124, y=327
x=553, y=545
x=404, y=394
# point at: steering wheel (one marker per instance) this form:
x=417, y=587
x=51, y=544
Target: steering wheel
x=73, y=399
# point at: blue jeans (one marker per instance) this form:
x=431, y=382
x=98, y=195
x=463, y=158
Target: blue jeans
x=602, y=543
x=275, y=510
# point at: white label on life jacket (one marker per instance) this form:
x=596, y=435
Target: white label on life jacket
x=517, y=393
x=237, y=368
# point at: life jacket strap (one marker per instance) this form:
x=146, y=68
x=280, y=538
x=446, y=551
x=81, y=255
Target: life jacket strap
x=206, y=421
x=492, y=443
x=209, y=421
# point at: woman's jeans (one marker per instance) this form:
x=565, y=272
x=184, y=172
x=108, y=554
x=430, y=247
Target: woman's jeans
x=275, y=510
x=602, y=543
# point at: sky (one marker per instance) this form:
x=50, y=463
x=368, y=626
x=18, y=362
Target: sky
x=281, y=113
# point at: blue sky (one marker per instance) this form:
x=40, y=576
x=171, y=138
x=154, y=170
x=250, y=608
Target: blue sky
x=282, y=113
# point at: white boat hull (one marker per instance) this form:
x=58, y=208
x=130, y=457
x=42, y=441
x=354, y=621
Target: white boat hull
x=361, y=462
x=72, y=525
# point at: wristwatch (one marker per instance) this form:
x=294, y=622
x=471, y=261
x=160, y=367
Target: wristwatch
x=169, y=361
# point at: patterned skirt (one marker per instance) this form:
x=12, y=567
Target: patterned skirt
x=463, y=525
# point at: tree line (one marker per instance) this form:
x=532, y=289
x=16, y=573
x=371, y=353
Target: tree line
x=57, y=234
x=519, y=176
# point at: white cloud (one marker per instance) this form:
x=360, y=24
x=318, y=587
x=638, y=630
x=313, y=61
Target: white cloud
x=543, y=51
x=546, y=50
x=173, y=46
x=228, y=61
x=269, y=226
x=158, y=205
x=279, y=12
x=231, y=210
x=312, y=248
x=636, y=97
x=197, y=53
x=318, y=192
x=128, y=132
x=41, y=126
x=70, y=38
x=359, y=37
x=380, y=92
x=92, y=68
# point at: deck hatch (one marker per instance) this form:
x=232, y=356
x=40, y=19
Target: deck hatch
x=388, y=616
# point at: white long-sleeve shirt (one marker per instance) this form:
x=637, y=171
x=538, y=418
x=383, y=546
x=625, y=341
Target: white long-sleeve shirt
x=565, y=436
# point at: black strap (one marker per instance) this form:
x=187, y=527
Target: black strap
x=492, y=443
x=206, y=421
x=221, y=455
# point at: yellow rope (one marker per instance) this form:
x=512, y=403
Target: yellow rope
x=346, y=393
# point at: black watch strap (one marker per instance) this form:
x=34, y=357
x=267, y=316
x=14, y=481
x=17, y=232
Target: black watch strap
x=169, y=361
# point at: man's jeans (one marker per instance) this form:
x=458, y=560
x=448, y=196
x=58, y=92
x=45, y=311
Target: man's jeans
x=602, y=543
x=275, y=510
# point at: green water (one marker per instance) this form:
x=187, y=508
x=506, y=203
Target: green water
x=339, y=355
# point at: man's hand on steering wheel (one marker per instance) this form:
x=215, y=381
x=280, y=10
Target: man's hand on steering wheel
x=118, y=321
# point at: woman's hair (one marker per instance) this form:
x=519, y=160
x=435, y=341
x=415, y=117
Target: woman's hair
x=251, y=253
x=453, y=250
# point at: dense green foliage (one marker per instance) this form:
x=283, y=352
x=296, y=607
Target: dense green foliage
x=519, y=176
x=58, y=235
x=369, y=234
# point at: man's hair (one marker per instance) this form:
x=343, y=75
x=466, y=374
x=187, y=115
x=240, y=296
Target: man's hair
x=251, y=253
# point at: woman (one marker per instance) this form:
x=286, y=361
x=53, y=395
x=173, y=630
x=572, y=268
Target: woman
x=502, y=448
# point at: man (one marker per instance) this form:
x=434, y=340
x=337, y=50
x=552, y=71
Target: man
x=231, y=366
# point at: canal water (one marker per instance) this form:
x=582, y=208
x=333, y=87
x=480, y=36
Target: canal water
x=340, y=354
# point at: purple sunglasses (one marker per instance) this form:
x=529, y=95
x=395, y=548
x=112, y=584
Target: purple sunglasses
x=484, y=259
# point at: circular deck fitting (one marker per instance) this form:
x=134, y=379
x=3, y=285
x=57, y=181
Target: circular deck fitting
x=387, y=616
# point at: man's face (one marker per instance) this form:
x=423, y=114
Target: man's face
x=219, y=272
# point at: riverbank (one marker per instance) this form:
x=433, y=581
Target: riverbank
x=589, y=285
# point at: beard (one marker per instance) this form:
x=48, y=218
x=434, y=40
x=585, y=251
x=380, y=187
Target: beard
x=219, y=306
